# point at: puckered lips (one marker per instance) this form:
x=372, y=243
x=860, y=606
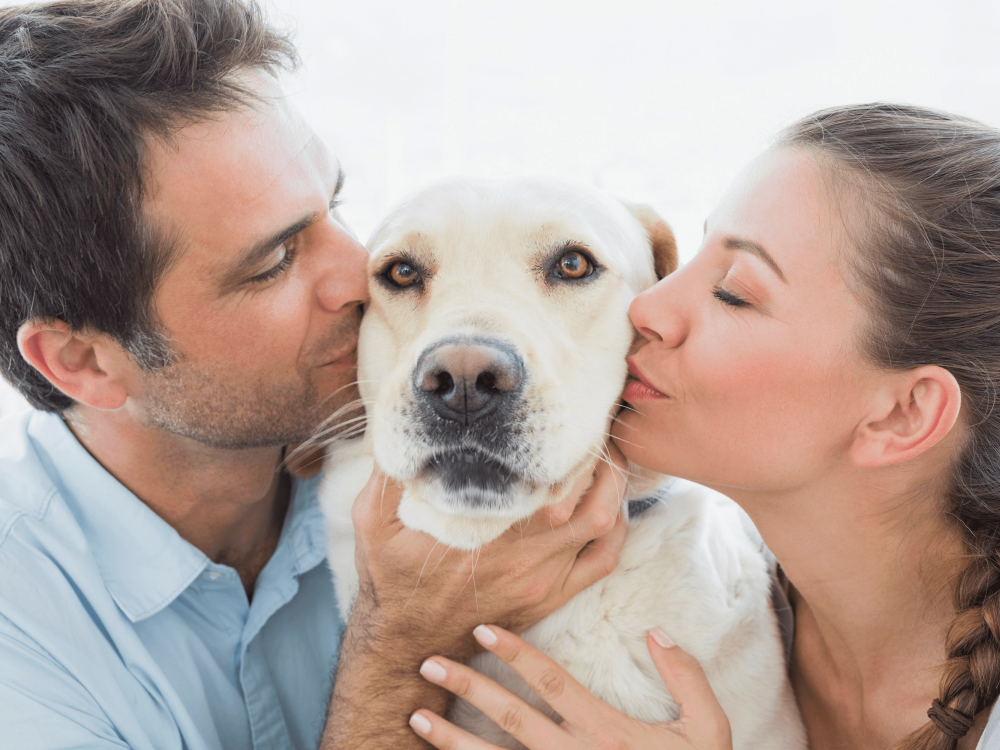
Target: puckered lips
x=347, y=358
x=637, y=387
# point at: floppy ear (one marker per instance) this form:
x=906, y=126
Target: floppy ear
x=660, y=235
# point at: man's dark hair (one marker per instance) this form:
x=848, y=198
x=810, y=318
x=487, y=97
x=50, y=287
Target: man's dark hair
x=83, y=85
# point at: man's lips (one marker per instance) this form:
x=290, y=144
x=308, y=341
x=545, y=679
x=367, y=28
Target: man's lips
x=348, y=359
x=638, y=387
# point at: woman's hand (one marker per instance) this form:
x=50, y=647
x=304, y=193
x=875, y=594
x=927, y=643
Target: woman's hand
x=588, y=722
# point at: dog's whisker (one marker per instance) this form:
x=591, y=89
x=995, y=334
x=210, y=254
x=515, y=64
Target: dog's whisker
x=628, y=474
x=420, y=575
x=614, y=474
x=381, y=505
x=624, y=424
x=472, y=577
x=345, y=387
x=621, y=440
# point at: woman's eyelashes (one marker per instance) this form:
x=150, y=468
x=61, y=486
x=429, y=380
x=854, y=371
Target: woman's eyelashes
x=287, y=256
x=728, y=298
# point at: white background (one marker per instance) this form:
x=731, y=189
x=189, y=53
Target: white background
x=660, y=101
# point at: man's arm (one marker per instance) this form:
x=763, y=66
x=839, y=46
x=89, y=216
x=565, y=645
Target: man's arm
x=418, y=598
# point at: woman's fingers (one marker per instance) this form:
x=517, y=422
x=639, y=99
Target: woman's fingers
x=702, y=721
x=571, y=700
x=445, y=735
x=508, y=711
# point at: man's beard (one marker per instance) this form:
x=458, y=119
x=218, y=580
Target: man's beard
x=228, y=411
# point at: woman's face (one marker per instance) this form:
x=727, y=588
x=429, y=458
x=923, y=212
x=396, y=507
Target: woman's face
x=748, y=375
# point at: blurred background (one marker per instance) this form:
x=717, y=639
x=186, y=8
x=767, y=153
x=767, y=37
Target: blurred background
x=659, y=101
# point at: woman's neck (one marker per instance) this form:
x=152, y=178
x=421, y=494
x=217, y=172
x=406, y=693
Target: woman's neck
x=873, y=565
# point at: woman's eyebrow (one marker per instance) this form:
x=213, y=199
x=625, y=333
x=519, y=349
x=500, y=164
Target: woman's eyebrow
x=740, y=243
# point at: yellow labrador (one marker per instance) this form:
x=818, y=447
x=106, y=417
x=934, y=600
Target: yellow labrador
x=491, y=358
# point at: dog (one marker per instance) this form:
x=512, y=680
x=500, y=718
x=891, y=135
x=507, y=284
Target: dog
x=491, y=360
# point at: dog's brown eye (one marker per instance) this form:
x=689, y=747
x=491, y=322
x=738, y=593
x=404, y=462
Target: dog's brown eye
x=402, y=273
x=574, y=265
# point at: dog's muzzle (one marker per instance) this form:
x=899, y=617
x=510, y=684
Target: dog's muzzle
x=468, y=391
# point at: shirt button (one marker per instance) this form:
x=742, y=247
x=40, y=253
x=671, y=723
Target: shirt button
x=213, y=575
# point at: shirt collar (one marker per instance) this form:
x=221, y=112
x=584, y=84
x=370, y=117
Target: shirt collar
x=145, y=563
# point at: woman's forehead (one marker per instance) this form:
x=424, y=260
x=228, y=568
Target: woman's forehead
x=782, y=202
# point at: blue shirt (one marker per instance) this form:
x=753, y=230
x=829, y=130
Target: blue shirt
x=115, y=632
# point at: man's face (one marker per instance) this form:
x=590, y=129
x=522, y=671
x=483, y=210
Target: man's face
x=264, y=300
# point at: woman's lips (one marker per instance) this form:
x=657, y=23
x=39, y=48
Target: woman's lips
x=638, y=388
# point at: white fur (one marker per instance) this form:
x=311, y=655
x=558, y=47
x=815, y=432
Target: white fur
x=689, y=564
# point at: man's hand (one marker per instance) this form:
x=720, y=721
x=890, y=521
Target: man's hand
x=418, y=598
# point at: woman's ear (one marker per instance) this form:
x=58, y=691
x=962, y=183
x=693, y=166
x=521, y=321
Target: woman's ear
x=87, y=368
x=661, y=236
x=918, y=408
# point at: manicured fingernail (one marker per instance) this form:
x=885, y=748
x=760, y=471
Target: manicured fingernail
x=433, y=671
x=420, y=724
x=661, y=637
x=485, y=635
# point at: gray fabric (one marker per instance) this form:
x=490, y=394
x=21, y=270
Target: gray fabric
x=991, y=735
x=782, y=609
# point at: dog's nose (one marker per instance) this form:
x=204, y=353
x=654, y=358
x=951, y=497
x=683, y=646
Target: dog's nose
x=466, y=379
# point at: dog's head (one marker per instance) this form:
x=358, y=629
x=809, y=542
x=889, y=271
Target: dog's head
x=494, y=346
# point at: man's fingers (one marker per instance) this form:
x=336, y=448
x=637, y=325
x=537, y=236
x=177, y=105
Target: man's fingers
x=376, y=504
x=702, y=721
x=598, y=559
x=508, y=711
x=559, y=513
x=600, y=509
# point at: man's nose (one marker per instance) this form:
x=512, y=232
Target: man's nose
x=658, y=313
x=342, y=278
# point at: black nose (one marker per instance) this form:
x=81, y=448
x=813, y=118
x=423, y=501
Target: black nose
x=466, y=379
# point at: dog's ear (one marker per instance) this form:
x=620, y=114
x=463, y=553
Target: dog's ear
x=660, y=235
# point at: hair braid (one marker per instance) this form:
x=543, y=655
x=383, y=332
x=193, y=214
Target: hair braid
x=928, y=269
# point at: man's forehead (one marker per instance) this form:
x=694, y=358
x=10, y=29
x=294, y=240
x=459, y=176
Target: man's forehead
x=238, y=174
x=230, y=145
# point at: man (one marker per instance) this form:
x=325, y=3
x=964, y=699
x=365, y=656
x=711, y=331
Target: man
x=179, y=300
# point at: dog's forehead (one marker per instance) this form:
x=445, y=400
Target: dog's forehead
x=526, y=215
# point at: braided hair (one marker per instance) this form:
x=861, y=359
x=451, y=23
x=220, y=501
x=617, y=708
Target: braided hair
x=927, y=265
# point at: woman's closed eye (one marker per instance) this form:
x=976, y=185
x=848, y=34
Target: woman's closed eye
x=728, y=298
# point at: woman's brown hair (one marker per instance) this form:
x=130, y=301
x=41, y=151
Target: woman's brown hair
x=928, y=263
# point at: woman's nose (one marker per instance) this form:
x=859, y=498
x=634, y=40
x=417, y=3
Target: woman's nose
x=658, y=315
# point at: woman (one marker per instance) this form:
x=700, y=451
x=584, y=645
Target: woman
x=830, y=360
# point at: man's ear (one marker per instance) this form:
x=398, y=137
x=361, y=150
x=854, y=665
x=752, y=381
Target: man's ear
x=87, y=368
x=660, y=235
x=918, y=408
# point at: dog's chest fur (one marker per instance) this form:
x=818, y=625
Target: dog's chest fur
x=688, y=565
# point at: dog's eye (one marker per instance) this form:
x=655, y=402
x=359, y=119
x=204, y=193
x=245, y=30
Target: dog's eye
x=574, y=265
x=402, y=273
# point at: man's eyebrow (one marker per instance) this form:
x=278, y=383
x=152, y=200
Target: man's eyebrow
x=740, y=243
x=258, y=252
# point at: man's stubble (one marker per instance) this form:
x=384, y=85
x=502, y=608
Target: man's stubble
x=222, y=409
